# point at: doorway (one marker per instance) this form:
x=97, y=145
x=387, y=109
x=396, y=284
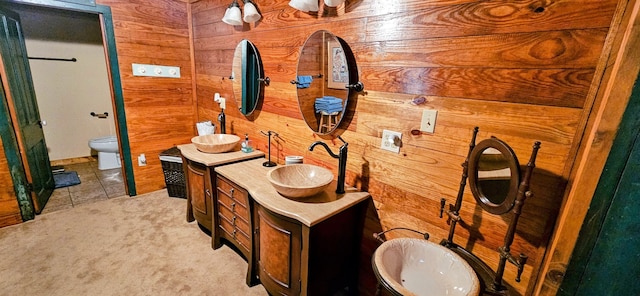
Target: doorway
x=103, y=15
x=70, y=77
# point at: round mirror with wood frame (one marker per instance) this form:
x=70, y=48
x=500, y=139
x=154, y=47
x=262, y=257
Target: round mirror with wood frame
x=247, y=76
x=494, y=175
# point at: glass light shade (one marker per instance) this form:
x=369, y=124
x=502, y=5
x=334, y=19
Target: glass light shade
x=251, y=14
x=304, y=5
x=333, y=3
x=233, y=16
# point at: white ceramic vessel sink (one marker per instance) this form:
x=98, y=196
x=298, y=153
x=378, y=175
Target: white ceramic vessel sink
x=411, y=266
x=216, y=143
x=299, y=180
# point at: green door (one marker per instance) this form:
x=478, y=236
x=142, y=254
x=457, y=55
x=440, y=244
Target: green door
x=606, y=260
x=24, y=109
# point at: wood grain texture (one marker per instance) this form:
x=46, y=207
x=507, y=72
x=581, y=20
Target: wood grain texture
x=9, y=208
x=620, y=75
x=159, y=111
x=520, y=70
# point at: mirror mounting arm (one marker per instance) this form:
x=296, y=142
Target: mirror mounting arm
x=358, y=86
x=265, y=80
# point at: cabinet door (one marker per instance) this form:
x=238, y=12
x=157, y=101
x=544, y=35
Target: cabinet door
x=199, y=193
x=279, y=253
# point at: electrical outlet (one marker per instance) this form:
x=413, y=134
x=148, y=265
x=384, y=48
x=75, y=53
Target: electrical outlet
x=142, y=160
x=428, y=123
x=391, y=141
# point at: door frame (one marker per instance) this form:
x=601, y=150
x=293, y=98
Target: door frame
x=603, y=199
x=111, y=54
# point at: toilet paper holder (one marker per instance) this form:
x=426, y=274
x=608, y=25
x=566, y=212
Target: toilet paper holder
x=103, y=115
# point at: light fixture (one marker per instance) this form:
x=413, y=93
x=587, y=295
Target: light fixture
x=333, y=3
x=251, y=14
x=304, y=5
x=232, y=15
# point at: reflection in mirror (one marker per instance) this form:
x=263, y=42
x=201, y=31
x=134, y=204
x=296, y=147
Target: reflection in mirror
x=322, y=79
x=494, y=175
x=247, y=75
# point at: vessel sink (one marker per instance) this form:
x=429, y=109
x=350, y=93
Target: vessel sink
x=216, y=143
x=411, y=266
x=299, y=180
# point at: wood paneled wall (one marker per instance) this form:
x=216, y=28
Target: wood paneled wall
x=9, y=207
x=523, y=71
x=160, y=112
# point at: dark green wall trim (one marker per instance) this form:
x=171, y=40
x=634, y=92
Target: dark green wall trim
x=118, y=97
x=612, y=173
x=110, y=44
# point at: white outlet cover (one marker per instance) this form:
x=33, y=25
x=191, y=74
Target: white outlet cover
x=428, y=123
x=389, y=139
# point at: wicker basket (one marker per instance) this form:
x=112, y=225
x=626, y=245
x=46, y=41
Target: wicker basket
x=171, y=160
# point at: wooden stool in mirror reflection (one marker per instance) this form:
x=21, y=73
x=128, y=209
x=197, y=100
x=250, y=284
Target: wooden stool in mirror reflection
x=327, y=121
x=493, y=163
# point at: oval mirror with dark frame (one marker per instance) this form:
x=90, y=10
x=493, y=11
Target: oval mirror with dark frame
x=494, y=175
x=493, y=171
x=326, y=77
x=248, y=77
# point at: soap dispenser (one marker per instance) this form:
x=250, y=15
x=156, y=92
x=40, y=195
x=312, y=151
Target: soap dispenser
x=246, y=144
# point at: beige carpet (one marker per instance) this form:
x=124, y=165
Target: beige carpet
x=123, y=246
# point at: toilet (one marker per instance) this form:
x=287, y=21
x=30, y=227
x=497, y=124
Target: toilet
x=108, y=153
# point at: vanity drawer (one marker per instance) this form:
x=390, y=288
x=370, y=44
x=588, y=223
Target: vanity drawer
x=232, y=191
x=234, y=218
x=236, y=231
x=234, y=205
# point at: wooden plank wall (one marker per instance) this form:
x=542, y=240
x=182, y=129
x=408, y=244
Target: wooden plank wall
x=9, y=207
x=520, y=70
x=160, y=111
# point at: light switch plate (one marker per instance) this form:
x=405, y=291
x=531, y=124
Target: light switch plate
x=155, y=70
x=428, y=123
x=391, y=141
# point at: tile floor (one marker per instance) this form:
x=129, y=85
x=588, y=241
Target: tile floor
x=94, y=185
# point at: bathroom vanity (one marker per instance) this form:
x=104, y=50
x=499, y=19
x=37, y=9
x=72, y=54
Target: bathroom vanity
x=200, y=180
x=297, y=247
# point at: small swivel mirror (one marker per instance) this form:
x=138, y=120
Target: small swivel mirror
x=248, y=77
x=494, y=175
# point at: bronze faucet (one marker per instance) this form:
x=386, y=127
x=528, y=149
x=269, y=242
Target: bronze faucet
x=342, y=161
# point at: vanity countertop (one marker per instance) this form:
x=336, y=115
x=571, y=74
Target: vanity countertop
x=214, y=159
x=252, y=176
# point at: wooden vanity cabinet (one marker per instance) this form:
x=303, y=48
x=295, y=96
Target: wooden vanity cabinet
x=199, y=193
x=233, y=221
x=295, y=259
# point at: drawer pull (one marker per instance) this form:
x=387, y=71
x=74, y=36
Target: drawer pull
x=207, y=192
x=233, y=206
x=232, y=191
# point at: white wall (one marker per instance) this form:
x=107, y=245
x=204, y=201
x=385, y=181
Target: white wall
x=67, y=92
